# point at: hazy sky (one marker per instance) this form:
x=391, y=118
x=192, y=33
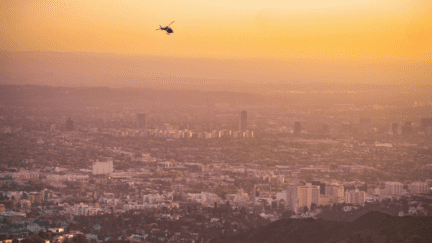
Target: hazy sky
x=328, y=32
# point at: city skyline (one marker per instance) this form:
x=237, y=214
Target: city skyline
x=200, y=121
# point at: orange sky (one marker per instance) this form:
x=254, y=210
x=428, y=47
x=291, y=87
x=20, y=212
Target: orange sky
x=312, y=31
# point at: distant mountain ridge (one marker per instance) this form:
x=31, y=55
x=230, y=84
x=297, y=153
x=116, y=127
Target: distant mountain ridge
x=372, y=227
x=117, y=70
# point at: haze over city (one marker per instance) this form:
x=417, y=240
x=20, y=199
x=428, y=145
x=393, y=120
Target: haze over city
x=355, y=41
x=195, y=121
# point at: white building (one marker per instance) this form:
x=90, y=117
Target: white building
x=154, y=198
x=204, y=197
x=100, y=168
x=27, y=175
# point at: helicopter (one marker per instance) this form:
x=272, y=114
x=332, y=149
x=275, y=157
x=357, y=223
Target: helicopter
x=166, y=28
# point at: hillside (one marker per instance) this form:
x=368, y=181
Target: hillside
x=373, y=227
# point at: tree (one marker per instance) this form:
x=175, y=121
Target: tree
x=287, y=214
x=313, y=206
x=79, y=239
x=42, y=234
x=27, y=240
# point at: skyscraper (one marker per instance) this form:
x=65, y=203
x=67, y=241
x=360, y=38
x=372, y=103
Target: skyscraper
x=297, y=128
x=243, y=121
x=393, y=188
x=365, y=125
x=407, y=129
x=307, y=195
x=297, y=197
x=69, y=125
x=425, y=123
x=395, y=128
x=291, y=201
x=141, y=121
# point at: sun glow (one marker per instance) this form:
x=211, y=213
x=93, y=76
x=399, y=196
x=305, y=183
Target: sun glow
x=328, y=32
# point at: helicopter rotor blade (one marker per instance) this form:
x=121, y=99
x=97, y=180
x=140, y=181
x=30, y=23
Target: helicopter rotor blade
x=170, y=24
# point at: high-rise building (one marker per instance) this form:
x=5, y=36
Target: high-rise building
x=69, y=125
x=141, y=122
x=297, y=128
x=291, y=201
x=334, y=190
x=355, y=197
x=321, y=185
x=407, y=129
x=307, y=195
x=418, y=187
x=425, y=123
x=395, y=128
x=428, y=131
x=52, y=128
x=243, y=121
x=298, y=197
x=328, y=200
x=393, y=188
x=365, y=125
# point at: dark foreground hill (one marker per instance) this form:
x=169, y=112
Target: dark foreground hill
x=373, y=227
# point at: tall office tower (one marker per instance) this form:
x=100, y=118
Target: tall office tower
x=243, y=121
x=393, y=188
x=308, y=194
x=69, y=125
x=365, y=125
x=297, y=127
x=355, y=197
x=395, y=127
x=425, y=123
x=407, y=129
x=291, y=201
x=428, y=131
x=141, y=121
